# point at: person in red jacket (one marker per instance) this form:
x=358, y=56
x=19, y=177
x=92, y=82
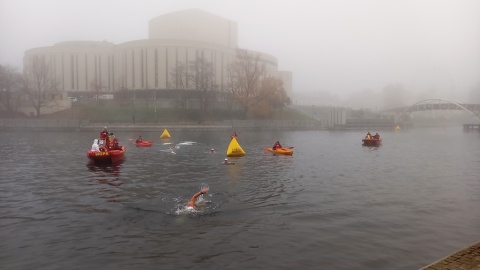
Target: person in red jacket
x=104, y=137
x=104, y=134
x=277, y=145
x=115, y=143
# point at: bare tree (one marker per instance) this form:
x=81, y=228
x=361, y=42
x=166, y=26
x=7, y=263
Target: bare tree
x=232, y=87
x=203, y=80
x=97, y=86
x=10, y=83
x=247, y=71
x=179, y=82
x=40, y=85
x=198, y=75
x=122, y=96
x=271, y=96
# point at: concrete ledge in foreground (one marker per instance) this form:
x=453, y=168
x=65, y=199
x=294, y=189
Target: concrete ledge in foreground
x=467, y=258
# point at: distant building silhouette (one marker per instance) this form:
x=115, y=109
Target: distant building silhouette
x=178, y=37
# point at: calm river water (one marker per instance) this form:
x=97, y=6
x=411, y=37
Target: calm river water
x=334, y=205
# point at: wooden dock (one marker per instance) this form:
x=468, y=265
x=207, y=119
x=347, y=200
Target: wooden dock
x=467, y=258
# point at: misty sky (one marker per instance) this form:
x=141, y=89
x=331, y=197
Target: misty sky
x=336, y=47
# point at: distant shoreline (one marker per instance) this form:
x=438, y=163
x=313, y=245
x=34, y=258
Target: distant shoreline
x=85, y=125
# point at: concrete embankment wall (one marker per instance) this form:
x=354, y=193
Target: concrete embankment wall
x=80, y=125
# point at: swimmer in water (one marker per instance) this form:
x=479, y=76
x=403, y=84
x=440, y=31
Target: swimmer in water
x=193, y=200
x=226, y=162
x=212, y=151
x=172, y=148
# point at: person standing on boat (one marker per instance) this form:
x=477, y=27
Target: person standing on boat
x=110, y=141
x=95, y=146
x=192, y=203
x=103, y=136
x=115, y=143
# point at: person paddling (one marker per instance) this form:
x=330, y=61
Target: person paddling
x=277, y=145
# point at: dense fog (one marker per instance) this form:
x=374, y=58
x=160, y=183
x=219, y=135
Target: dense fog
x=362, y=54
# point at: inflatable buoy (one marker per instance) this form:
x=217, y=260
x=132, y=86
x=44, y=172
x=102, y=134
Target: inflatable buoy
x=165, y=135
x=102, y=149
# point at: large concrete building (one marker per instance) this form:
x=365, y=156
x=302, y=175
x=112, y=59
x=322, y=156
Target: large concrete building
x=178, y=37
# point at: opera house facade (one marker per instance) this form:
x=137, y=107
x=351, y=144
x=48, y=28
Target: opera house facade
x=178, y=37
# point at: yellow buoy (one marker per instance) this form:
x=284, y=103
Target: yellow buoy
x=234, y=149
x=165, y=134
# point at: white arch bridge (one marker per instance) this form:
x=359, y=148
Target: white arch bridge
x=441, y=104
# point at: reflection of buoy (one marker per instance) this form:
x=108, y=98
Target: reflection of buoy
x=397, y=128
x=165, y=134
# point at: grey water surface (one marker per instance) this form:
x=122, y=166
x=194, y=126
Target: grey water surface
x=334, y=204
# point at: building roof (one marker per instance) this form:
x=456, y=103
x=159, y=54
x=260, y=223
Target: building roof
x=194, y=25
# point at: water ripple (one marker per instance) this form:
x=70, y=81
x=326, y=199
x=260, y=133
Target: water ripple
x=333, y=203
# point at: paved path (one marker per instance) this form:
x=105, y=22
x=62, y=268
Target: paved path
x=465, y=259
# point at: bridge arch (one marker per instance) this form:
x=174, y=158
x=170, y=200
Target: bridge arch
x=457, y=106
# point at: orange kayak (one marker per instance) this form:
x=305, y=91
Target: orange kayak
x=144, y=144
x=280, y=151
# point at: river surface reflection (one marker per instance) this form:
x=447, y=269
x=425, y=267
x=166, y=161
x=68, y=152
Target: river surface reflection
x=334, y=204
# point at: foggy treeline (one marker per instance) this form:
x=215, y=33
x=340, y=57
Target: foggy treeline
x=252, y=89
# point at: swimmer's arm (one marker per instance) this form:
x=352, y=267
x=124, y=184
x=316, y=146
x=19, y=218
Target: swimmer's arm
x=195, y=196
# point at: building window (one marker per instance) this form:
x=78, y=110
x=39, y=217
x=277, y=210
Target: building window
x=142, y=82
x=86, y=72
x=156, y=68
x=133, y=69
x=166, y=67
x=72, y=79
x=76, y=71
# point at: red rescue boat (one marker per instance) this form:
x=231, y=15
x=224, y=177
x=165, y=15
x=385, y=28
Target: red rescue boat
x=372, y=142
x=105, y=156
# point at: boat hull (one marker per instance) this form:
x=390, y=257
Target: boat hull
x=107, y=157
x=281, y=151
x=144, y=144
x=372, y=142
